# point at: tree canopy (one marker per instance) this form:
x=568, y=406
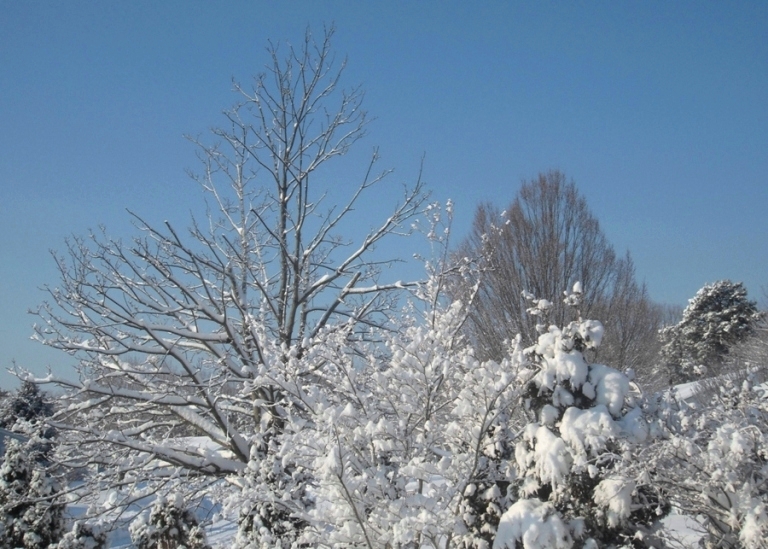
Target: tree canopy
x=204, y=332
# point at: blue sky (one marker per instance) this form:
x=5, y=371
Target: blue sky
x=657, y=110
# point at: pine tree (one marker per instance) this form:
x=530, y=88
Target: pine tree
x=718, y=316
x=265, y=523
x=27, y=404
x=24, y=412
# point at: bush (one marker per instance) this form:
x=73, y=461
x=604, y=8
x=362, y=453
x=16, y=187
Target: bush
x=83, y=536
x=169, y=526
x=714, y=460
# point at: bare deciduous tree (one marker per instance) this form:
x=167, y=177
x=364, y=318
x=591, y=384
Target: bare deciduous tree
x=546, y=241
x=180, y=332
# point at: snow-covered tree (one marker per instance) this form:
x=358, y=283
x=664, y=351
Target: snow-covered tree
x=83, y=535
x=718, y=316
x=207, y=332
x=417, y=450
x=30, y=512
x=544, y=241
x=28, y=406
x=408, y=443
x=752, y=352
x=714, y=460
x=170, y=525
x=581, y=479
x=25, y=412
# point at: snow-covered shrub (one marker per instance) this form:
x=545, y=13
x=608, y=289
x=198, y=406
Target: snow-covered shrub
x=414, y=442
x=409, y=443
x=30, y=514
x=83, y=535
x=272, y=500
x=533, y=524
x=170, y=525
x=578, y=482
x=718, y=316
x=715, y=461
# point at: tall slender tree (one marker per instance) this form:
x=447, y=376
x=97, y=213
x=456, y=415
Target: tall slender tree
x=543, y=243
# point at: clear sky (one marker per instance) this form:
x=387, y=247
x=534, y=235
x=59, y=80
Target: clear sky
x=657, y=110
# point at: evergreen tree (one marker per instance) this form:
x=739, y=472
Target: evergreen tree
x=265, y=517
x=170, y=526
x=83, y=536
x=28, y=404
x=30, y=514
x=24, y=412
x=579, y=483
x=718, y=316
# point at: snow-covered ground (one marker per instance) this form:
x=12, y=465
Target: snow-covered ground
x=683, y=530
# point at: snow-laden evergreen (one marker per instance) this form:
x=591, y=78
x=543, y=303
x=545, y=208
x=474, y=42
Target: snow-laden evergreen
x=31, y=516
x=83, y=535
x=169, y=525
x=26, y=405
x=578, y=482
x=716, y=318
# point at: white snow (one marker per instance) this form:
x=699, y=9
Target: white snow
x=550, y=457
x=532, y=524
x=592, y=331
x=587, y=431
x=611, y=387
x=614, y=495
x=577, y=288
